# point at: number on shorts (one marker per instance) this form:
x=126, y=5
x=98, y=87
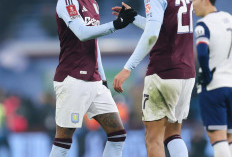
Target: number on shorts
x=146, y=96
x=183, y=10
x=230, y=30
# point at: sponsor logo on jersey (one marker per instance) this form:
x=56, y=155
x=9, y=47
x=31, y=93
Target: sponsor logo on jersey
x=71, y=8
x=84, y=9
x=75, y=117
x=147, y=8
x=91, y=21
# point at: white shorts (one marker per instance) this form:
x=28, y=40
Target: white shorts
x=75, y=98
x=166, y=98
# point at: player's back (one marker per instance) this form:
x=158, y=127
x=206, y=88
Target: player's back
x=219, y=25
x=172, y=56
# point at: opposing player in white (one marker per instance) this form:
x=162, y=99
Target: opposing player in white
x=214, y=47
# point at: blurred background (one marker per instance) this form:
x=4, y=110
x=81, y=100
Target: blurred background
x=29, y=50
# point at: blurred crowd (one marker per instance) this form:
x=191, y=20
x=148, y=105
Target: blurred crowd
x=20, y=114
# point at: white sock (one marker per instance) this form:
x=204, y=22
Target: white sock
x=115, y=143
x=58, y=152
x=113, y=149
x=230, y=145
x=60, y=147
x=221, y=149
x=176, y=146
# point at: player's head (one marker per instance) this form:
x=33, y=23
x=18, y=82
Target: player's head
x=203, y=7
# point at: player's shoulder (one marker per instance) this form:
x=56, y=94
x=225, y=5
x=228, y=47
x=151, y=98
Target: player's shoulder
x=224, y=14
x=206, y=23
x=226, y=17
x=67, y=10
x=204, y=20
x=215, y=16
x=64, y=4
x=202, y=29
x=155, y=3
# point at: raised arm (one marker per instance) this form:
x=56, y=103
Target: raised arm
x=154, y=19
x=139, y=21
x=70, y=14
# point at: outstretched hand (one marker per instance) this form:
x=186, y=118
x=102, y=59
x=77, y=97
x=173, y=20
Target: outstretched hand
x=117, y=9
x=125, y=16
x=119, y=79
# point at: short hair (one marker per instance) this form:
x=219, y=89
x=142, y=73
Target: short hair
x=212, y=2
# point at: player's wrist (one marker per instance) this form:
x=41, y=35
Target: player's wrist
x=111, y=26
x=127, y=69
x=205, y=78
x=138, y=18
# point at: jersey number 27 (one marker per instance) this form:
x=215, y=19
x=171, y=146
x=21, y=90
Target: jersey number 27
x=184, y=10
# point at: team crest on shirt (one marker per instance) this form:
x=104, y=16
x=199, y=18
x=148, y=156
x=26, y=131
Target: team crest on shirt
x=75, y=117
x=199, y=31
x=71, y=8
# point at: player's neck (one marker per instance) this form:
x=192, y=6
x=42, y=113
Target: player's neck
x=209, y=10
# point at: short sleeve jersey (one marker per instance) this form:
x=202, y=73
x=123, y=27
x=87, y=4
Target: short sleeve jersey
x=77, y=59
x=172, y=56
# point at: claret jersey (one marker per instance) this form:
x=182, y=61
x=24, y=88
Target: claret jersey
x=172, y=56
x=77, y=59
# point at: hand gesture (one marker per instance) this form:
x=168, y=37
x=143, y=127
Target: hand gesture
x=119, y=79
x=117, y=9
x=124, y=17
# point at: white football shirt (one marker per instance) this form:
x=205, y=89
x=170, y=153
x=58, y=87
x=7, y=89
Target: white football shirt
x=215, y=29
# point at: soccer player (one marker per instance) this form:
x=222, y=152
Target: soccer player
x=214, y=46
x=78, y=80
x=170, y=77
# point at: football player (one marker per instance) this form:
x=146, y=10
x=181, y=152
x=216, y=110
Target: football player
x=170, y=77
x=78, y=80
x=214, y=47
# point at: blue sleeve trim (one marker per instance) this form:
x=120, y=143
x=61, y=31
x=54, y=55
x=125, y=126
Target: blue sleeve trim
x=207, y=32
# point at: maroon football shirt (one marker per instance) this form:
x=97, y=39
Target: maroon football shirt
x=172, y=56
x=78, y=59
